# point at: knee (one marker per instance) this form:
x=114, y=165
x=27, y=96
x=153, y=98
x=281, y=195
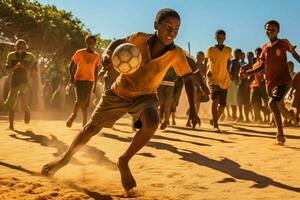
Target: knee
x=150, y=120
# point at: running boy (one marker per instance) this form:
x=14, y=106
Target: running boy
x=136, y=93
x=20, y=63
x=84, y=77
x=274, y=58
x=218, y=58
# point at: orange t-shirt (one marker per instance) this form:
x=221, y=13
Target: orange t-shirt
x=276, y=66
x=152, y=71
x=86, y=64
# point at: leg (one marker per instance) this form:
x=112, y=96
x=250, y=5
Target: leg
x=25, y=107
x=73, y=115
x=80, y=140
x=167, y=112
x=10, y=103
x=234, y=115
x=173, y=118
x=241, y=117
x=84, y=116
x=11, y=117
x=214, y=110
x=274, y=106
x=150, y=121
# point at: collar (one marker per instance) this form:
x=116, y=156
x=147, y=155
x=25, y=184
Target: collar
x=270, y=44
x=150, y=41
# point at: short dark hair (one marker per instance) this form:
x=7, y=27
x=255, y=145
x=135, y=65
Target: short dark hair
x=273, y=22
x=237, y=51
x=200, y=52
x=19, y=41
x=258, y=49
x=220, y=32
x=89, y=36
x=250, y=53
x=164, y=13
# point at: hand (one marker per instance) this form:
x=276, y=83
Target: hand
x=19, y=65
x=205, y=89
x=292, y=48
x=243, y=74
x=106, y=58
x=195, y=119
x=290, y=96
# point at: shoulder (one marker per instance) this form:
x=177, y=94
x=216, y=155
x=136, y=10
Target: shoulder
x=212, y=48
x=80, y=51
x=228, y=49
x=30, y=55
x=265, y=46
x=12, y=55
x=137, y=36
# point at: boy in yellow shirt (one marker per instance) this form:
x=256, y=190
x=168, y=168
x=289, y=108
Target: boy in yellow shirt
x=218, y=59
x=136, y=93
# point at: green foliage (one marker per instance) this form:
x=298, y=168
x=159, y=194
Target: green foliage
x=52, y=34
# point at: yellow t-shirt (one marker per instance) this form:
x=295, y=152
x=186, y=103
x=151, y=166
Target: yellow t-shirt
x=152, y=71
x=86, y=64
x=217, y=65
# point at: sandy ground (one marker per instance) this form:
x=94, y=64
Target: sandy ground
x=178, y=163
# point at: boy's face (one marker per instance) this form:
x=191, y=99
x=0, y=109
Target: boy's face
x=90, y=43
x=200, y=57
x=250, y=57
x=271, y=31
x=243, y=56
x=257, y=53
x=220, y=38
x=237, y=55
x=167, y=30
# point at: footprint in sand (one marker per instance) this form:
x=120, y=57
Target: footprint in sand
x=171, y=175
x=160, y=185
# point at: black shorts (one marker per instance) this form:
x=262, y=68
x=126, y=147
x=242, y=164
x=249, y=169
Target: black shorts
x=217, y=92
x=83, y=92
x=278, y=92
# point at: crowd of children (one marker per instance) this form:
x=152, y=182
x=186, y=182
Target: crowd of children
x=249, y=90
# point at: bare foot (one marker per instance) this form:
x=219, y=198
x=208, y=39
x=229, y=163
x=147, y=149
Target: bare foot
x=127, y=179
x=280, y=138
x=163, y=126
x=50, y=168
x=11, y=127
x=216, y=130
x=70, y=120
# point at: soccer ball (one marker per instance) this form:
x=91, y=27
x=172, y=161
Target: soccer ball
x=126, y=58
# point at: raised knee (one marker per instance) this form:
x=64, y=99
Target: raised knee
x=150, y=120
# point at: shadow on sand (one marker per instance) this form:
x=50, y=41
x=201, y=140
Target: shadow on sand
x=97, y=156
x=224, y=165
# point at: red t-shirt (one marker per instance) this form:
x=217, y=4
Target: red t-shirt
x=275, y=60
x=296, y=84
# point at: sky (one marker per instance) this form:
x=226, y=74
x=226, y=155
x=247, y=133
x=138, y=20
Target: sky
x=242, y=20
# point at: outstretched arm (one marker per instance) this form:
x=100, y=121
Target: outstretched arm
x=189, y=87
x=292, y=50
